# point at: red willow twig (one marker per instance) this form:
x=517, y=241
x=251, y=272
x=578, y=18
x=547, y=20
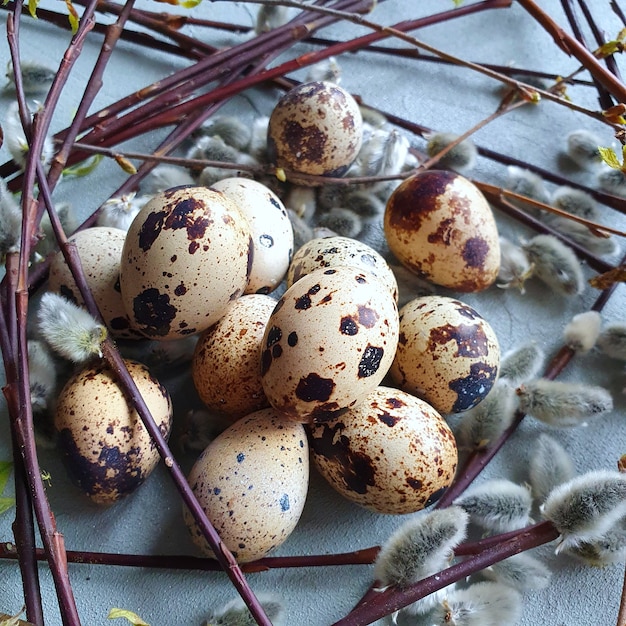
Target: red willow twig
x=570, y=46
x=22, y=422
x=365, y=556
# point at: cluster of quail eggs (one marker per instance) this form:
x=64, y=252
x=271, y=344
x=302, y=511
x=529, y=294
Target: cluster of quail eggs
x=291, y=324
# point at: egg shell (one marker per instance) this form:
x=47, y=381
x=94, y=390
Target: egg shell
x=100, y=252
x=447, y=353
x=393, y=453
x=333, y=251
x=439, y=225
x=328, y=343
x=187, y=256
x=226, y=363
x=272, y=234
x=315, y=128
x=252, y=482
x=105, y=446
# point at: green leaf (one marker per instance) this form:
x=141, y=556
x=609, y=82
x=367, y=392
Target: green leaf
x=6, y=504
x=133, y=618
x=5, y=472
x=84, y=167
x=72, y=16
x=32, y=7
x=610, y=158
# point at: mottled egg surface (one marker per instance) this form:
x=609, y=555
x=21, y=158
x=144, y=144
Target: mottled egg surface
x=328, y=343
x=332, y=251
x=447, y=353
x=226, y=366
x=252, y=482
x=272, y=234
x=393, y=453
x=105, y=446
x=315, y=128
x=100, y=252
x=439, y=225
x=187, y=257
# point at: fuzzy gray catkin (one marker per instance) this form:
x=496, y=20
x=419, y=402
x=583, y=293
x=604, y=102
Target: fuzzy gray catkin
x=499, y=505
x=42, y=375
x=612, y=341
x=164, y=177
x=555, y=264
x=480, y=604
x=236, y=613
x=420, y=547
x=582, y=148
x=69, y=330
x=522, y=363
x=550, y=466
x=563, y=404
x=606, y=550
x=489, y=419
x=515, y=266
x=526, y=183
x=461, y=158
x=582, y=332
x=521, y=572
x=586, y=507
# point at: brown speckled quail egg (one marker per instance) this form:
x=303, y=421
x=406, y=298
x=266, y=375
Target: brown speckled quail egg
x=106, y=448
x=272, y=234
x=393, y=453
x=447, y=353
x=328, y=343
x=186, y=258
x=315, y=128
x=100, y=251
x=252, y=482
x=332, y=251
x=439, y=225
x=225, y=366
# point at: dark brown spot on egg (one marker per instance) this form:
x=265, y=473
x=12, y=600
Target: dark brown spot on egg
x=266, y=361
x=305, y=142
x=181, y=290
x=471, y=389
x=435, y=496
x=347, y=326
x=475, y=252
x=314, y=388
x=416, y=197
x=292, y=339
x=250, y=258
x=274, y=335
x=356, y=469
x=444, y=233
x=151, y=229
x=66, y=292
x=112, y=475
x=388, y=419
x=470, y=339
x=370, y=361
x=119, y=323
x=414, y=483
x=367, y=317
x=153, y=312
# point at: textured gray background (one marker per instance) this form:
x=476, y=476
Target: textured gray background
x=440, y=97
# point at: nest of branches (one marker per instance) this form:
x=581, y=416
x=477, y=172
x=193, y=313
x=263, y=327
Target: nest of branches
x=178, y=105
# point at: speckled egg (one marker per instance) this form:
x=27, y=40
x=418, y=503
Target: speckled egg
x=252, y=482
x=333, y=251
x=105, y=446
x=440, y=226
x=225, y=365
x=328, y=343
x=186, y=258
x=392, y=454
x=272, y=234
x=316, y=128
x=447, y=353
x=100, y=251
